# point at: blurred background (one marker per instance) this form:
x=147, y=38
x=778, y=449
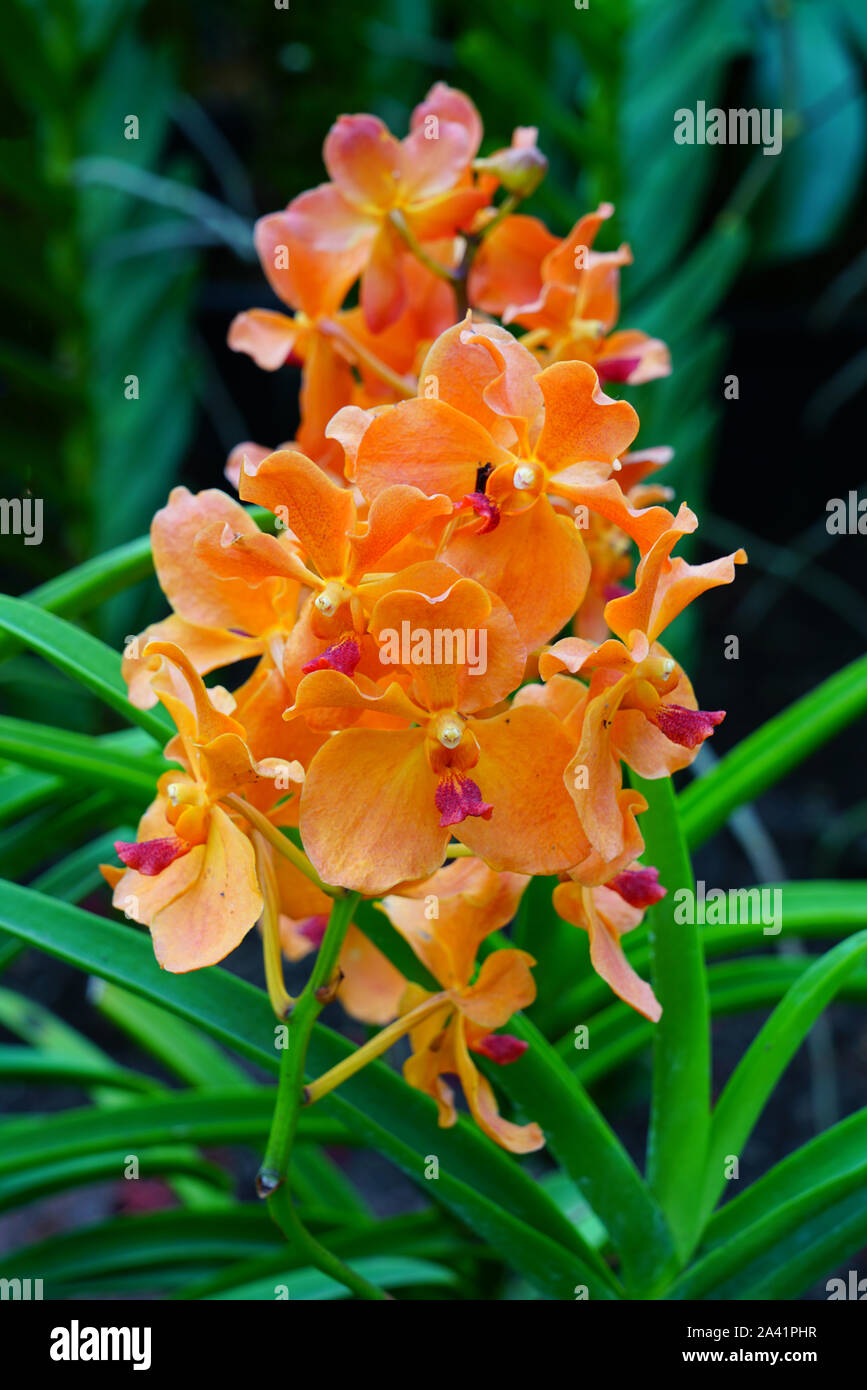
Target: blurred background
x=127, y=256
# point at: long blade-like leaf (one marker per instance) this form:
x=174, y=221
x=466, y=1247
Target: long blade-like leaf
x=767, y=755
x=680, y=1102
x=484, y=1187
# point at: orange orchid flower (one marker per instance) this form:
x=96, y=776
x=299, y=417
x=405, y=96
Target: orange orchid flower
x=470, y=901
x=567, y=295
x=640, y=707
x=607, y=912
x=190, y=875
x=380, y=804
x=382, y=189
x=332, y=344
x=216, y=621
x=340, y=553
x=609, y=549
x=520, y=449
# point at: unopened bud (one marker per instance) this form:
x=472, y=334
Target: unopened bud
x=519, y=170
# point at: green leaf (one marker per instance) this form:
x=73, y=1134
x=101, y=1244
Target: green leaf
x=484, y=1187
x=24, y=1064
x=77, y=757
x=592, y=1155
x=138, y=1243
x=77, y=875
x=80, y=656
x=767, y=755
x=421, y=1235
x=680, y=1101
x=820, y=166
x=310, y=1284
x=220, y=1116
x=314, y=1170
x=181, y=1049
x=25, y=791
x=175, y=1163
x=761, y=1067
x=617, y=1033
x=741, y=1243
x=86, y=585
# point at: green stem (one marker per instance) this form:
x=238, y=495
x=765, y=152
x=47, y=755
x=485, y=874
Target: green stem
x=271, y=1181
x=286, y=1216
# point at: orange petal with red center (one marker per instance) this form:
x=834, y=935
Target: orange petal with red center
x=427, y=444
x=644, y=747
x=368, y=819
x=500, y=1048
x=519, y=1139
x=535, y=561
x=217, y=907
x=639, y=887
x=523, y=755
x=633, y=357
x=150, y=857
x=600, y=912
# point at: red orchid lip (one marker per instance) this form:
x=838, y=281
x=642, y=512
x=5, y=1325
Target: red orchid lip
x=150, y=857
x=688, y=727
x=458, y=797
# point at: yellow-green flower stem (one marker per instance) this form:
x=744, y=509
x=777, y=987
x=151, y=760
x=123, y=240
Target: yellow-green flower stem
x=374, y=1048
x=280, y=842
x=408, y=236
x=459, y=852
x=458, y=277
x=271, y=1182
x=401, y=385
x=272, y=953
